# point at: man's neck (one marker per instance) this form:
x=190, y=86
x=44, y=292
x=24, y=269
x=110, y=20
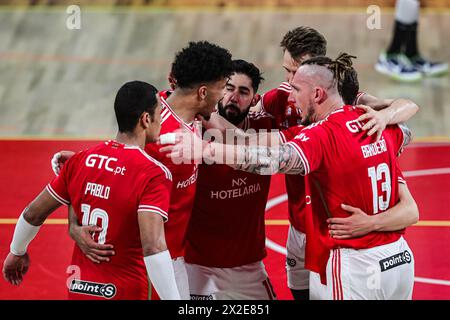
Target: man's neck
x=329, y=106
x=181, y=104
x=131, y=139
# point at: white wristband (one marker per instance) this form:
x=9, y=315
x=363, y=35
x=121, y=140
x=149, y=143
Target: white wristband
x=160, y=271
x=55, y=163
x=23, y=235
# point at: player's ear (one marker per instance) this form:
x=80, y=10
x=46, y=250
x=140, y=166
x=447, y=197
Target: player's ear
x=202, y=92
x=145, y=120
x=320, y=95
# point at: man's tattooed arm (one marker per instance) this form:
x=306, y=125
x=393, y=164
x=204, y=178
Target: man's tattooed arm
x=269, y=160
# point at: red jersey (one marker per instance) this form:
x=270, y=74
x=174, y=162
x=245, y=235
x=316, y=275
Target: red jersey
x=108, y=185
x=347, y=166
x=275, y=102
x=288, y=118
x=183, y=187
x=297, y=187
x=227, y=227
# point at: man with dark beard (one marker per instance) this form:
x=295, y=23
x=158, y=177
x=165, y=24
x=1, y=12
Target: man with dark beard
x=343, y=164
x=232, y=110
x=225, y=239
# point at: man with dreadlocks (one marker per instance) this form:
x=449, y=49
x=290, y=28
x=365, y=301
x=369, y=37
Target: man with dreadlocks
x=365, y=175
x=343, y=166
x=298, y=45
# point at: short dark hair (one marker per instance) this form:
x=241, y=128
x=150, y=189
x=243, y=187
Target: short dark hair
x=250, y=70
x=343, y=73
x=133, y=99
x=304, y=40
x=201, y=62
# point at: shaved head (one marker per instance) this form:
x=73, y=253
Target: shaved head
x=317, y=76
x=318, y=83
x=313, y=85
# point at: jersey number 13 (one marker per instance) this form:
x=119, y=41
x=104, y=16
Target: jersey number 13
x=380, y=174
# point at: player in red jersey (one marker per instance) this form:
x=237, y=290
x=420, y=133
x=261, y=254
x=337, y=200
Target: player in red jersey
x=225, y=240
x=299, y=45
x=201, y=70
x=402, y=215
x=360, y=167
x=364, y=175
x=125, y=193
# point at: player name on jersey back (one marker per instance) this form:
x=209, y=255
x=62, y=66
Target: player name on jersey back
x=97, y=190
x=108, y=185
x=373, y=149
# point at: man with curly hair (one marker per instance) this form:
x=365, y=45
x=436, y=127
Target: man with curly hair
x=201, y=71
x=344, y=166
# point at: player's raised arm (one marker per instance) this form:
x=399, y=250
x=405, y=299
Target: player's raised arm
x=404, y=214
x=267, y=160
x=259, y=159
x=383, y=112
x=59, y=159
x=404, y=109
x=17, y=262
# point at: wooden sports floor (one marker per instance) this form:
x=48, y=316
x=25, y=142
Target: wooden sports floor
x=57, y=87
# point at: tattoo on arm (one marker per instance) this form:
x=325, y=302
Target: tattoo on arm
x=270, y=160
x=290, y=161
x=407, y=134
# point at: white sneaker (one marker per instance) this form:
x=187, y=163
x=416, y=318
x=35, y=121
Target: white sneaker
x=428, y=67
x=398, y=67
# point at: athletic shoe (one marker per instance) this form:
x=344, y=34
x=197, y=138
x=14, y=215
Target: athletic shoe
x=428, y=67
x=398, y=67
